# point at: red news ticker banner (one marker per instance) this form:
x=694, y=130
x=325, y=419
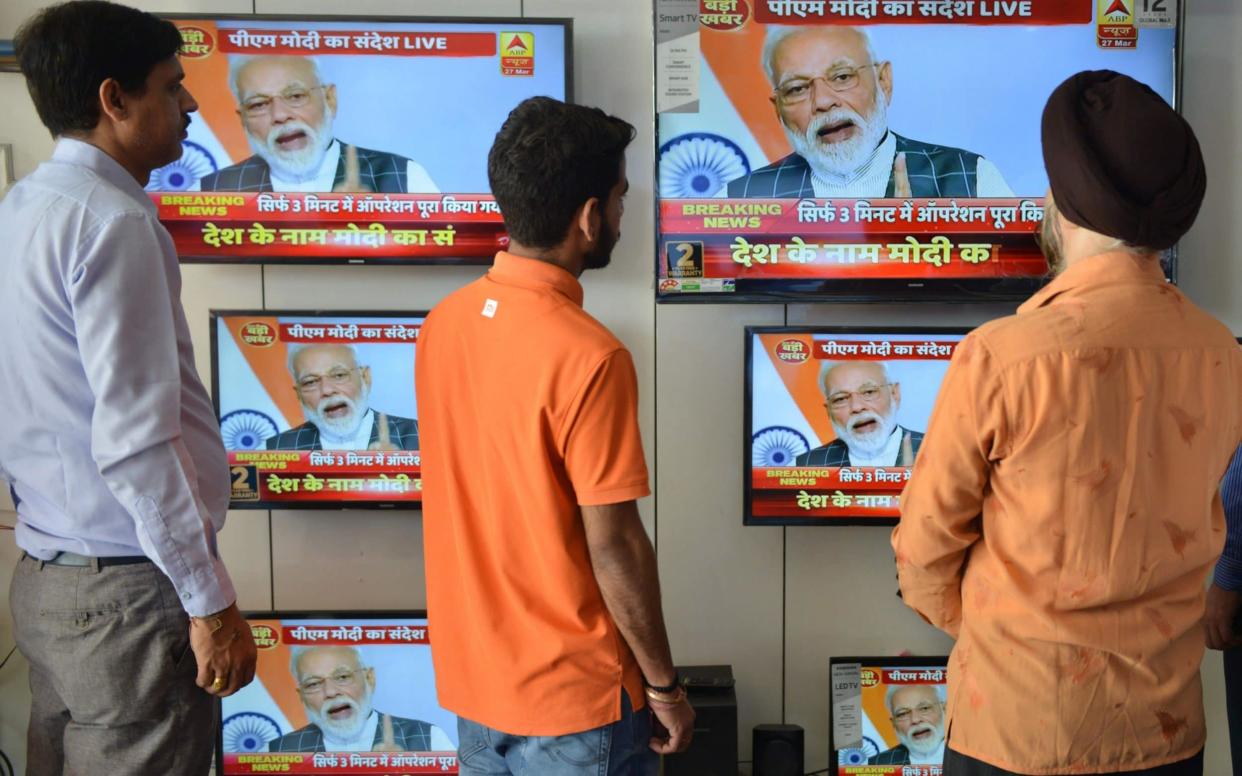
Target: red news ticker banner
x=342, y=763
x=326, y=475
x=325, y=635
x=827, y=492
x=882, y=238
x=228, y=225
x=911, y=676
x=886, y=350
x=923, y=11
x=890, y=770
x=247, y=40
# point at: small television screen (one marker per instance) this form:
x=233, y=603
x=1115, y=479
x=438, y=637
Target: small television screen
x=834, y=420
x=887, y=716
x=346, y=694
x=317, y=409
x=348, y=139
x=871, y=149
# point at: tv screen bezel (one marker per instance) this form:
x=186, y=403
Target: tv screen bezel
x=748, y=518
x=879, y=291
x=215, y=315
x=903, y=661
x=565, y=22
x=247, y=615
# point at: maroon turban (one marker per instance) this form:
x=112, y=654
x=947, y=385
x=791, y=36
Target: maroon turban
x=1121, y=161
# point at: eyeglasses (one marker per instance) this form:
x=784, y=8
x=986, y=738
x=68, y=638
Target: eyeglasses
x=839, y=79
x=924, y=711
x=293, y=97
x=335, y=378
x=342, y=678
x=868, y=392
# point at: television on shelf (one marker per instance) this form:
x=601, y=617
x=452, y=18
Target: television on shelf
x=347, y=694
x=333, y=139
x=834, y=419
x=887, y=716
x=872, y=150
x=317, y=409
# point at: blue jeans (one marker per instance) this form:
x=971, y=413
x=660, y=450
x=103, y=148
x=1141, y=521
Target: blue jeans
x=619, y=749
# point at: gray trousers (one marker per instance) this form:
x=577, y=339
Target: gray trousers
x=111, y=673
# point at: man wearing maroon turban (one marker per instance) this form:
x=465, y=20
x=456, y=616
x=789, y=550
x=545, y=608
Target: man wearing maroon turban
x=1064, y=511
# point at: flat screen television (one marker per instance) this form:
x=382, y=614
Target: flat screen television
x=871, y=150
x=834, y=419
x=346, y=694
x=317, y=409
x=331, y=139
x=887, y=716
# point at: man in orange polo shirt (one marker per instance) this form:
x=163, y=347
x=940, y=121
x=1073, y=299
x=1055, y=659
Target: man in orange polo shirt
x=542, y=589
x=1064, y=511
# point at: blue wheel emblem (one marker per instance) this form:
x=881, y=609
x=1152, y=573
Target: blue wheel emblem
x=246, y=430
x=249, y=732
x=777, y=446
x=699, y=164
x=195, y=162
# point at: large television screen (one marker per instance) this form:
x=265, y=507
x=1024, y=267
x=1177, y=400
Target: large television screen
x=346, y=694
x=871, y=149
x=887, y=716
x=348, y=139
x=317, y=409
x=834, y=420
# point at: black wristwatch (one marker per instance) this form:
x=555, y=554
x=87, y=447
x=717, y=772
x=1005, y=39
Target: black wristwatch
x=666, y=689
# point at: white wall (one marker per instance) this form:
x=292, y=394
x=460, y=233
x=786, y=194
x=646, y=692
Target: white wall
x=773, y=602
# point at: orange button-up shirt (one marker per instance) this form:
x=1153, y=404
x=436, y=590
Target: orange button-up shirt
x=1063, y=515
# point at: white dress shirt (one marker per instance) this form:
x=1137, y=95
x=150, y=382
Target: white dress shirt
x=871, y=180
x=109, y=439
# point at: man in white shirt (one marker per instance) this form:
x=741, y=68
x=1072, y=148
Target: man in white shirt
x=287, y=111
x=336, y=689
x=120, y=601
x=335, y=393
x=862, y=402
x=831, y=95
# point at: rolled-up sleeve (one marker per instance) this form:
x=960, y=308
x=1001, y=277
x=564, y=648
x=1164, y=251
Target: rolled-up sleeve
x=122, y=299
x=942, y=503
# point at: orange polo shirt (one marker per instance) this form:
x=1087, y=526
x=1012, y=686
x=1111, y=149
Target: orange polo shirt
x=528, y=410
x=1063, y=516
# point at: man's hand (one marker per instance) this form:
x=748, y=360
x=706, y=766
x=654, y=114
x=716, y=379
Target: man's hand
x=388, y=739
x=384, y=440
x=672, y=726
x=1218, y=617
x=225, y=655
x=901, y=178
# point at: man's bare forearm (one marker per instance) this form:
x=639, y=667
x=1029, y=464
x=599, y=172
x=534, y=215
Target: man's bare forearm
x=625, y=568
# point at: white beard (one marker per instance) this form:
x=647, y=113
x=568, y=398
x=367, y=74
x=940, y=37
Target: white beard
x=867, y=445
x=345, y=730
x=928, y=746
x=296, y=165
x=345, y=426
x=844, y=158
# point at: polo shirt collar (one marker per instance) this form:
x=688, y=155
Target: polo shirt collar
x=1105, y=269
x=535, y=274
x=71, y=151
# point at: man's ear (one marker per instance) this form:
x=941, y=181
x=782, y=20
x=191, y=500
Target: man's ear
x=884, y=74
x=589, y=218
x=329, y=96
x=897, y=393
x=113, y=102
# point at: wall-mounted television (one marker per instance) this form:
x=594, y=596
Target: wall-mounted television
x=834, y=420
x=331, y=139
x=887, y=716
x=317, y=409
x=871, y=150
x=348, y=694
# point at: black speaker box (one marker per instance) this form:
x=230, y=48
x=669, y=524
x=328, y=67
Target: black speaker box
x=779, y=750
x=713, y=750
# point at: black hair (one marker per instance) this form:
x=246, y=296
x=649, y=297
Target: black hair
x=66, y=51
x=548, y=159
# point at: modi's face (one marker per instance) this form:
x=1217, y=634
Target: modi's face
x=333, y=389
x=831, y=98
x=287, y=113
x=862, y=405
x=918, y=718
x=336, y=691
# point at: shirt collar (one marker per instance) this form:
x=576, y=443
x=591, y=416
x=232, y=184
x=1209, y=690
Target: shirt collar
x=76, y=152
x=535, y=274
x=1106, y=269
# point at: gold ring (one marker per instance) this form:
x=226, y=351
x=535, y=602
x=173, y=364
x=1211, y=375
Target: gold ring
x=218, y=683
